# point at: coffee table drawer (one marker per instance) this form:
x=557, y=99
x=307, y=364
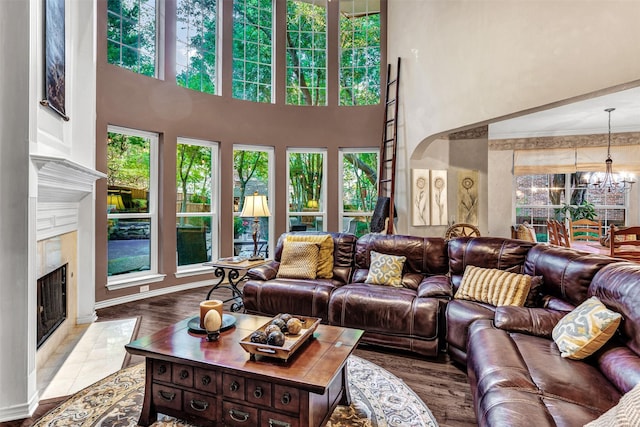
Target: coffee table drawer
x=200, y=405
x=259, y=392
x=286, y=398
x=233, y=386
x=182, y=375
x=162, y=370
x=235, y=414
x=166, y=397
x=205, y=380
x=272, y=419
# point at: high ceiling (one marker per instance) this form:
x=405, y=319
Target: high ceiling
x=578, y=118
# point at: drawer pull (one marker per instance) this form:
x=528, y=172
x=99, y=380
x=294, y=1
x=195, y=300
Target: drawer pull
x=234, y=386
x=206, y=380
x=278, y=423
x=239, y=416
x=257, y=393
x=266, y=350
x=166, y=395
x=162, y=369
x=199, y=405
x=184, y=374
x=286, y=398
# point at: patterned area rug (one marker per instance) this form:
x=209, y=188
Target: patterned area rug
x=379, y=399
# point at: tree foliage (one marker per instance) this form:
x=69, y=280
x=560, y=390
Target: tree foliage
x=194, y=174
x=128, y=162
x=360, y=181
x=249, y=165
x=131, y=35
x=305, y=176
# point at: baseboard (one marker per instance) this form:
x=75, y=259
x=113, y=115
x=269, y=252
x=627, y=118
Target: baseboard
x=153, y=293
x=19, y=412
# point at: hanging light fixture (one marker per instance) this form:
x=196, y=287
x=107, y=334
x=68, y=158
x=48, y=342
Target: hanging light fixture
x=609, y=182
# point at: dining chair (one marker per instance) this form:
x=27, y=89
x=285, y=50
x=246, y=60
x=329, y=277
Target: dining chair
x=585, y=229
x=624, y=243
x=558, y=234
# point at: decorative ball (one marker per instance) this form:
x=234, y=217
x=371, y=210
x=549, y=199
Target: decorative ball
x=285, y=317
x=276, y=338
x=294, y=326
x=272, y=328
x=280, y=323
x=259, y=337
x=212, y=321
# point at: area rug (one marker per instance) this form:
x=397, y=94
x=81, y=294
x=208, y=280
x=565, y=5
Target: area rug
x=379, y=399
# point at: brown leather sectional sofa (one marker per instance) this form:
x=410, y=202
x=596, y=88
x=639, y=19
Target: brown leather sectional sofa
x=515, y=370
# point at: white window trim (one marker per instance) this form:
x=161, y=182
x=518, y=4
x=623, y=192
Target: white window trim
x=193, y=269
x=323, y=196
x=126, y=280
x=341, y=213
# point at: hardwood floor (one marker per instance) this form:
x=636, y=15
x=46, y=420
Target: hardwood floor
x=440, y=384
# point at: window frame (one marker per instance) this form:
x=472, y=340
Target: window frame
x=322, y=202
x=152, y=275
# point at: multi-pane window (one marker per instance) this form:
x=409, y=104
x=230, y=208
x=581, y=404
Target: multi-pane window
x=307, y=52
x=251, y=171
x=542, y=197
x=358, y=175
x=359, y=52
x=196, y=197
x=131, y=202
x=131, y=35
x=306, y=170
x=252, y=50
x=196, y=24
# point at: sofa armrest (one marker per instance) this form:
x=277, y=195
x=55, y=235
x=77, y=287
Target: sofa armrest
x=532, y=321
x=435, y=286
x=266, y=271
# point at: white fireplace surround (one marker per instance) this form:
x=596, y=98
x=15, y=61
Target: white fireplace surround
x=62, y=183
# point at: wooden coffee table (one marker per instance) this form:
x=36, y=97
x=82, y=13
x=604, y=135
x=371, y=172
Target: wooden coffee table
x=216, y=383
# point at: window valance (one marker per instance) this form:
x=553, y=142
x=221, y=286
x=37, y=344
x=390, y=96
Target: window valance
x=626, y=158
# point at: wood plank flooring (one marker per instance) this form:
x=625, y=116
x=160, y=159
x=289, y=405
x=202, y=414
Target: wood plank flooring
x=440, y=384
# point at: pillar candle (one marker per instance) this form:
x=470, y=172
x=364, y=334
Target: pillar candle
x=205, y=306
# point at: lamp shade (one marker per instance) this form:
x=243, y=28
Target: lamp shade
x=255, y=206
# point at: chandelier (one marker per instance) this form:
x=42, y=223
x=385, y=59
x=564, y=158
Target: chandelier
x=609, y=182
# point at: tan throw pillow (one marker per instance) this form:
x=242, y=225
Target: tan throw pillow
x=385, y=269
x=325, y=257
x=493, y=286
x=587, y=328
x=299, y=260
x=526, y=232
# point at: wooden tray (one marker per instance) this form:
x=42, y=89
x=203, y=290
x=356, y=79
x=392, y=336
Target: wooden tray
x=291, y=342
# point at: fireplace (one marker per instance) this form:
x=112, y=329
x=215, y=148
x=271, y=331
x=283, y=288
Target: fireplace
x=52, y=302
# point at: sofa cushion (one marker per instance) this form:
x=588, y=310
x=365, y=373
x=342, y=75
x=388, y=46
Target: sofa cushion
x=325, y=256
x=587, y=328
x=385, y=269
x=493, y=286
x=299, y=260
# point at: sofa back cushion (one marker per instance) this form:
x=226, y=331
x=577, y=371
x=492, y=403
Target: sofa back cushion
x=343, y=252
x=486, y=252
x=425, y=256
x=566, y=273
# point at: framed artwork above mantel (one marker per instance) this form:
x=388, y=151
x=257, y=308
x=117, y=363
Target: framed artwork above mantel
x=54, y=57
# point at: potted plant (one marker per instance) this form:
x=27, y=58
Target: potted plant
x=585, y=210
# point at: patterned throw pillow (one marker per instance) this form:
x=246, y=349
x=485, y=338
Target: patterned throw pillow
x=299, y=260
x=325, y=257
x=493, y=286
x=587, y=328
x=385, y=269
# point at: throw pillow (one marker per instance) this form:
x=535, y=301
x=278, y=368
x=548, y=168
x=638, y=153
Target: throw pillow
x=526, y=232
x=626, y=413
x=493, y=286
x=299, y=260
x=584, y=330
x=325, y=257
x=385, y=269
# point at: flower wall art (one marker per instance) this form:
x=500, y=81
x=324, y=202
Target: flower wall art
x=439, y=197
x=420, y=197
x=468, y=197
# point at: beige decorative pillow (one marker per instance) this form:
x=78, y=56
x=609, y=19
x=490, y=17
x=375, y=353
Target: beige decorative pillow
x=299, y=260
x=325, y=257
x=526, y=232
x=493, y=286
x=587, y=328
x=385, y=269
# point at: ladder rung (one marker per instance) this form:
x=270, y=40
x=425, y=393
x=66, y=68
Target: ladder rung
x=388, y=122
x=387, y=160
x=390, y=102
x=385, y=180
x=392, y=82
x=388, y=140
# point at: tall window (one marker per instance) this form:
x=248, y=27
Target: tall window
x=131, y=202
x=542, y=197
x=307, y=200
x=196, y=207
x=359, y=177
x=359, y=52
x=252, y=50
x=131, y=35
x=252, y=168
x=307, y=52
x=196, y=44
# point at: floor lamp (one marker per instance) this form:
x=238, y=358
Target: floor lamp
x=255, y=206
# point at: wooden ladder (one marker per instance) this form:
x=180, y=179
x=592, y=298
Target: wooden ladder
x=388, y=147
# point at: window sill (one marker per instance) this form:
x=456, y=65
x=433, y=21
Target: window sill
x=130, y=282
x=192, y=271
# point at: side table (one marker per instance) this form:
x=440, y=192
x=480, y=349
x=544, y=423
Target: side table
x=231, y=271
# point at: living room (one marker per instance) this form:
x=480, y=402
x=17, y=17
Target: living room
x=465, y=65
